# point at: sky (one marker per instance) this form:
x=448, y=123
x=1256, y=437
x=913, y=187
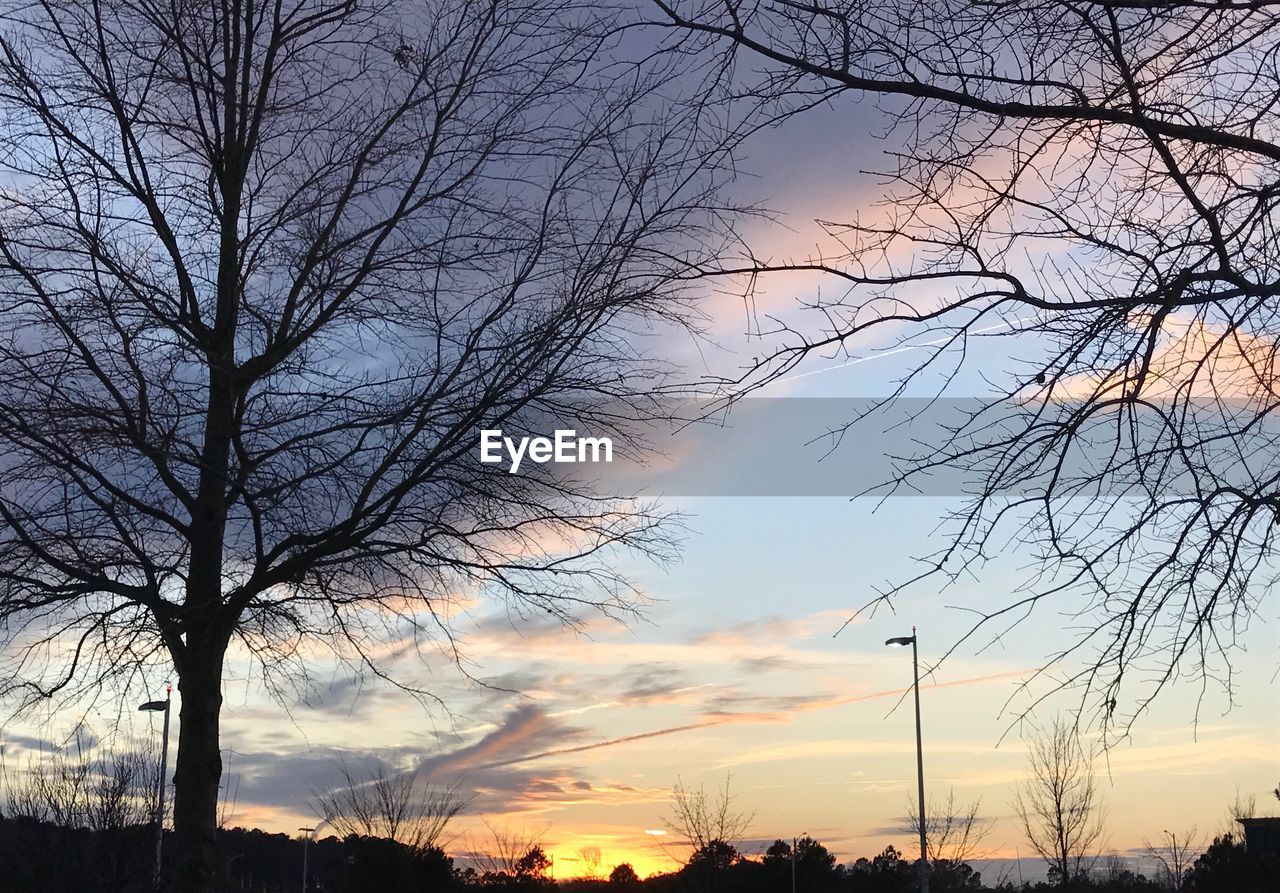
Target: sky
x=735, y=670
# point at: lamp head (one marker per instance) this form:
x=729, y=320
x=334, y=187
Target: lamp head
x=153, y=705
x=900, y=641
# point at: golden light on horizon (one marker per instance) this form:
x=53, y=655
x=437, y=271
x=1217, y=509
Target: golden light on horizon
x=568, y=863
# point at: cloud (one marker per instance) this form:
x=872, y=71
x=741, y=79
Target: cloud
x=612, y=742
x=782, y=708
x=655, y=683
x=289, y=778
x=773, y=629
x=498, y=768
x=771, y=663
x=1193, y=360
x=26, y=742
x=526, y=728
x=350, y=696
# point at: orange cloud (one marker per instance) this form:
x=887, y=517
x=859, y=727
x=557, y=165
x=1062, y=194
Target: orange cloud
x=1193, y=360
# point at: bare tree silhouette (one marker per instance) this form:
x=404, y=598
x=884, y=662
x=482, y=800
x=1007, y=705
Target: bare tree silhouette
x=1094, y=184
x=1059, y=806
x=396, y=805
x=698, y=820
x=954, y=832
x=266, y=270
x=590, y=860
x=506, y=852
x=78, y=788
x=1175, y=854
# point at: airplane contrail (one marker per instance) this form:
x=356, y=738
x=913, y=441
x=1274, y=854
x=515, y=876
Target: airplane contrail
x=937, y=342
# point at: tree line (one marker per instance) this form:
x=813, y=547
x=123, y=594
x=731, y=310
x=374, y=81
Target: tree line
x=41, y=856
x=84, y=821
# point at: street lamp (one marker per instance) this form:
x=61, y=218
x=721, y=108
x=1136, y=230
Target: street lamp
x=902, y=642
x=306, y=842
x=307, y=834
x=795, y=844
x=164, y=759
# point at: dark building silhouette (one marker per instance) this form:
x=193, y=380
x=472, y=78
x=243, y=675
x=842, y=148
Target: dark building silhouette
x=1262, y=836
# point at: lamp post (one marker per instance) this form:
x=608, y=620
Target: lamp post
x=795, y=846
x=164, y=759
x=899, y=642
x=306, y=842
x=307, y=835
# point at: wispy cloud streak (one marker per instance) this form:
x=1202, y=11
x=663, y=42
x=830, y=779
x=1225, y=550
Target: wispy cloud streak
x=752, y=717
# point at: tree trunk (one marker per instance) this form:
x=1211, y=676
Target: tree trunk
x=198, y=770
x=199, y=763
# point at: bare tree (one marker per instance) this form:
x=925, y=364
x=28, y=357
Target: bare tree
x=954, y=832
x=266, y=271
x=1240, y=807
x=505, y=851
x=1094, y=184
x=1113, y=869
x=78, y=787
x=1059, y=806
x=397, y=805
x=698, y=820
x=1175, y=854
x=591, y=859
